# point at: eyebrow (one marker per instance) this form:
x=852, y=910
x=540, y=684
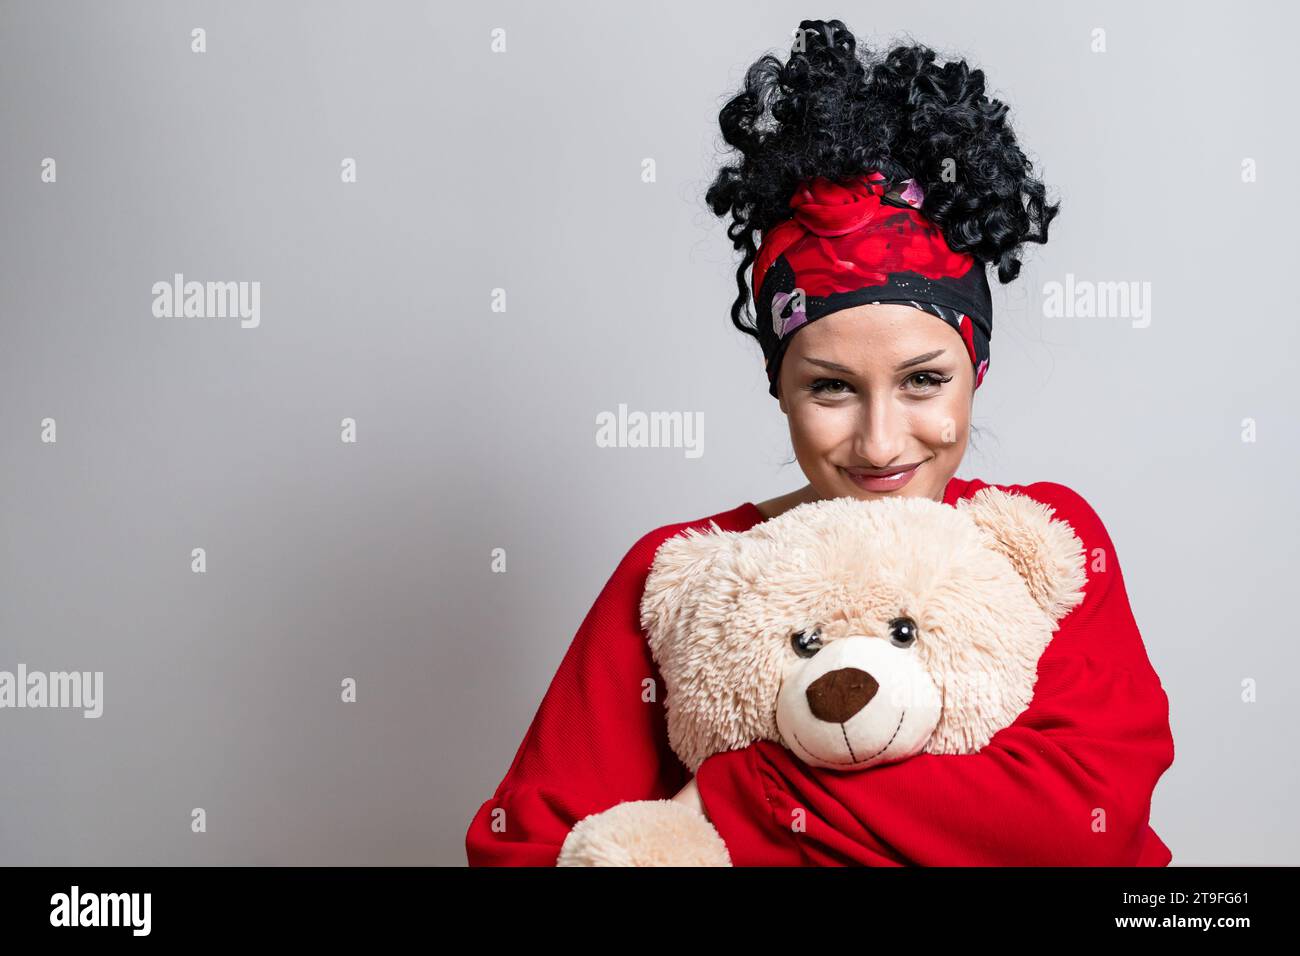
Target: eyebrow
x=897, y=368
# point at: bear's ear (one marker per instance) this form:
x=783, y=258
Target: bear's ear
x=1045, y=551
x=676, y=569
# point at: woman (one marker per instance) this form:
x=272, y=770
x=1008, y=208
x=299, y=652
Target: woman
x=881, y=190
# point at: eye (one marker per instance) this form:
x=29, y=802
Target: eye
x=928, y=380
x=902, y=631
x=807, y=643
x=822, y=386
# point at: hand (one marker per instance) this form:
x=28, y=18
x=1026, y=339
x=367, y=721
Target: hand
x=690, y=795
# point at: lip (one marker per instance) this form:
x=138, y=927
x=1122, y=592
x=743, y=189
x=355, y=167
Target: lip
x=883, y=483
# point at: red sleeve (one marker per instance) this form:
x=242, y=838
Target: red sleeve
x=1069, y=783
x=599, y=737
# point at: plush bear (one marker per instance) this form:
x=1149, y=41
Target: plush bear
x=852, y=632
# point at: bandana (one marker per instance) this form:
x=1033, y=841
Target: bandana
x=860, y=242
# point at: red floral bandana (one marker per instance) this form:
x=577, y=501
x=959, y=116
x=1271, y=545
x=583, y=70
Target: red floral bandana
x=864, y=241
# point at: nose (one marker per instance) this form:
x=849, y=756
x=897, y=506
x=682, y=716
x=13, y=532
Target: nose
x=879, y=438
x=839, y=694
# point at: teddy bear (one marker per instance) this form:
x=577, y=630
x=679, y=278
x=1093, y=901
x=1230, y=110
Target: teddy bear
x=853, y=632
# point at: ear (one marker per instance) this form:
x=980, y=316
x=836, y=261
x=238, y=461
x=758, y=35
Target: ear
x=1045, y=551
x=676, y=568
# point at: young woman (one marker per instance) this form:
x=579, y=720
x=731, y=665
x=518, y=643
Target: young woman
x=882, y=188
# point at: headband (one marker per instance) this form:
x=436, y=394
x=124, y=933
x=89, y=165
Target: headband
x=864, y=241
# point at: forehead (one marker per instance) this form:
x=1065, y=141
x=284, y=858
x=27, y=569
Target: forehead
x=881, y=334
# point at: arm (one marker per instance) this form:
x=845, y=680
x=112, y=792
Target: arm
x=1069, y=783
x=599, y=737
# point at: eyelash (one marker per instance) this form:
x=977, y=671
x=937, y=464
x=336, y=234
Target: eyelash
x=819, y=386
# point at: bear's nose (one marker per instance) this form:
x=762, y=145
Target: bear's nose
x=839, y=694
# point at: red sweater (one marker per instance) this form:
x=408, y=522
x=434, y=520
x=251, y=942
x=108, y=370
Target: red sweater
x=1069, y=783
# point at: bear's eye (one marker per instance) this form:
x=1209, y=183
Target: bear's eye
x=902, y=631
x=807, y=643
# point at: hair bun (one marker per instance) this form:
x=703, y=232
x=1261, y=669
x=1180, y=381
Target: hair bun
x=834, y=109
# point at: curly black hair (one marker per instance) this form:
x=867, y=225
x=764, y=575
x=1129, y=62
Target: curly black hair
x=836, y=112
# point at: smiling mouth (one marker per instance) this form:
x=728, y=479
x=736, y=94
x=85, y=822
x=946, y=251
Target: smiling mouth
x=854, y=760
x=868, y=473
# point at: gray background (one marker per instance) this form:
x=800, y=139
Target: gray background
x=476, y=428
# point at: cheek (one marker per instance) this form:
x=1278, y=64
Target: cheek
x=816, y=427
x=943, y=421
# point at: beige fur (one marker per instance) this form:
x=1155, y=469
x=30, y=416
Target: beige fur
x=645, y=833
x=986, y=583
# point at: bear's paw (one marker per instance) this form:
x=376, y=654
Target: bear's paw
x=644, y=833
